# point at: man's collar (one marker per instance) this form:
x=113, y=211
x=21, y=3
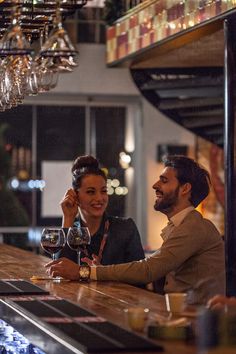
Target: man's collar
x=179, y=217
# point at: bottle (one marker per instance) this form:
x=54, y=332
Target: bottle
x=216, y=331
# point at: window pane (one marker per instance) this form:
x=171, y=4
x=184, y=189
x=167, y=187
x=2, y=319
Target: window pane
x=86, y=32
x=88, y=13
x=60, y=132
x=61, y=137
x=110, y=123
x=15, y=167
x=82, y=14
x=100, y=13
x=102, y=33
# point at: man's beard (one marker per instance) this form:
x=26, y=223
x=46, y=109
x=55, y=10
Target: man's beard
x=168, y=201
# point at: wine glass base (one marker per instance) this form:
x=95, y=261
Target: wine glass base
x=56, y=279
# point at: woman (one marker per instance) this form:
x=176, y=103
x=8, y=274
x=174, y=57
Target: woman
x=113, y=239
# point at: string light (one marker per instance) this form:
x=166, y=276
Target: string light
x=124, y=160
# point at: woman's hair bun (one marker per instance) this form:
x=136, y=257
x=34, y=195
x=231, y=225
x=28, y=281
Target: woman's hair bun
x=84, y=166
x=86, y=161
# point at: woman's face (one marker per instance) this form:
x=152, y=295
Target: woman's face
x=92, y=196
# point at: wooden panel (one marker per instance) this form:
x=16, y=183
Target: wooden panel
x=185, y=52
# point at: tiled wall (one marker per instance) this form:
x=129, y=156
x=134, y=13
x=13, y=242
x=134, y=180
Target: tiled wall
x=153, y=21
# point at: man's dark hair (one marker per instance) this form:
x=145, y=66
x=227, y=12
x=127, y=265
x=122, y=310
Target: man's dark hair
x=189, y=171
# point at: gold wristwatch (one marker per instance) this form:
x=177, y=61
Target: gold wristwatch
x=84, y=272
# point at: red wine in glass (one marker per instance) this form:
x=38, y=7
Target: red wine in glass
x=52, y=249
x=53, y=240
x=78, y=238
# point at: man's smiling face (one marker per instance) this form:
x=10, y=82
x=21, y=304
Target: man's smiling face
x=167, y=190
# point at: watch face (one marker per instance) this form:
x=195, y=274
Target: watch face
x=84, y=272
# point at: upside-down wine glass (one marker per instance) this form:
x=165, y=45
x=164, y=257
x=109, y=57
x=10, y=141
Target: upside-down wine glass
x=58, y=51
x=17, y=55
x=77, y=239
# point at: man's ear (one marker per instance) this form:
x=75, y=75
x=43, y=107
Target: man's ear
x=186, y=188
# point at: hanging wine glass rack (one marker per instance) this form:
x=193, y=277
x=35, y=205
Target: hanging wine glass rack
x=35, y=14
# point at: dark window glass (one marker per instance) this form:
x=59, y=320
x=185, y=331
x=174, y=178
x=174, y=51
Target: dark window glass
x=91, y=27
x=88, y=13
x=100, y=13
x=82, y=14
x=19, y=129
x=102, y=33
x=15, y=166
x=60, y=132
x=61, y=137
x=86, y=32
x=110, y=124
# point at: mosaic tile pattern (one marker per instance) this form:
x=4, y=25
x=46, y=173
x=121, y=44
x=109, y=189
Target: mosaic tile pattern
x=154, y=21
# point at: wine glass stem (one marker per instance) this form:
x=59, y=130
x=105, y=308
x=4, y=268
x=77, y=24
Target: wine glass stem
x=53, y=256
x=78, y=257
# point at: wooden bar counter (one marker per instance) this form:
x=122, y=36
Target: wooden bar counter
x=105, y=299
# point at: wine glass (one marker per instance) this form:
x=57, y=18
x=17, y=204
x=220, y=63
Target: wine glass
x=58, y=43
x=78, y=238
x=53, y=240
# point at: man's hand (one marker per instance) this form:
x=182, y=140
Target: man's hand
x=64, y=268
x=220, y=301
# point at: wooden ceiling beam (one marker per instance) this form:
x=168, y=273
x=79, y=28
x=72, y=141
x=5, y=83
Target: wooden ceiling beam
x=192, y=122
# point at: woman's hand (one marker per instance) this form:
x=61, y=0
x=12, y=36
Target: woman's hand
x=91, y=262
x=69, y=206
x=63, y=267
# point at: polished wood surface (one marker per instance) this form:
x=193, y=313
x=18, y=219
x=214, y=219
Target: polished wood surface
x=106, y=299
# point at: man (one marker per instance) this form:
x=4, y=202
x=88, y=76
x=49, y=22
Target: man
x=220, y=301
x=192, y=254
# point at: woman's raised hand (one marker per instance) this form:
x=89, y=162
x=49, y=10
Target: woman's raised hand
x=69, y=206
